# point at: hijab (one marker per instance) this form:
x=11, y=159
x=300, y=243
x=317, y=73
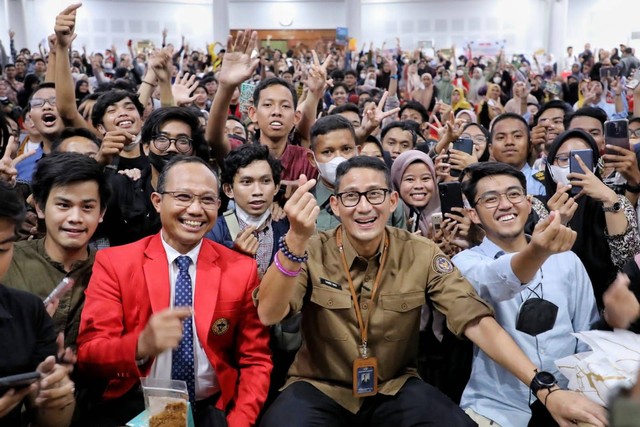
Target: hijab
x=588, y=222
x=462, y=104
x=399, y=167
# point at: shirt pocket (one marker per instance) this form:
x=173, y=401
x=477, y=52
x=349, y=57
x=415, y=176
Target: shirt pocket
x=331, y=313
x=400, y=312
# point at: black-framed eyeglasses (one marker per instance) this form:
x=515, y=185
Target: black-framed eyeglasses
x=162, y=143
x=39, y=102
x=491, y=199
x=634, y=133
x=185, y=199
x=375, y=196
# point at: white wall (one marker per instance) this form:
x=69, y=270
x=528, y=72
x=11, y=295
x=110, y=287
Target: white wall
x=269, y=15
x=447, y=22
x=603, y=23
x=102, y=23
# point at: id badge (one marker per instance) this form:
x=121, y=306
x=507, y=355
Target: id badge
x=365, y=377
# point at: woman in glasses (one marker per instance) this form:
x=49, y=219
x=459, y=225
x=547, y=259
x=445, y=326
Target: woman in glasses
x=604, y=221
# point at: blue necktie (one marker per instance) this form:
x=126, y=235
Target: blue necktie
x=182, y=364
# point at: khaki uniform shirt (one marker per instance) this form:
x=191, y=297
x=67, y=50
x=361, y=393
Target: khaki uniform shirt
x=415, y=269
x=33, y=271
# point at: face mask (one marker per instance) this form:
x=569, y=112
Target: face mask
x=159, y=162
x=370, y=82
x=255, y=221
x=459, y=73
x=362, y=76
x=133, y=144
x=559, y=174
x=497, y=80
x=328, y=170
x=446, y=78
x=536, y=316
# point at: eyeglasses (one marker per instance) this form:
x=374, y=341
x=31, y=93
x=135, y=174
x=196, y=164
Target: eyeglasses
x=39, y=102
x=162, y=143
x=185, y=199
x=477, y=140
x=634, y=133
x=350, y=199
x=491, y=199
x=563, y=161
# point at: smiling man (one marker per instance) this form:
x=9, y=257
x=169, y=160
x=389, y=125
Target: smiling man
x=360, y=289
x=169, y=131
x=71, y=195
x=539, y=289
x=177, y=306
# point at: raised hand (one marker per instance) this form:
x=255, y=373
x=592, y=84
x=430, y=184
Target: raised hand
x=621, y=307
x=112, y=144
x=162, y=65
x=8, y=171
x=551, y=237
x=162, y=332
x=302, y=210
x=182, y=89
x=246, y=242
x=563, y=203
x=238, y=64
x=65, y=25
x=317, y=81
x=623, y=161
x=373, y=117
x=591, y=185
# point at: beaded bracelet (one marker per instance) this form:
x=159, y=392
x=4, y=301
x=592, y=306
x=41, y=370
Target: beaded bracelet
x=283, y=270
x=282, y=245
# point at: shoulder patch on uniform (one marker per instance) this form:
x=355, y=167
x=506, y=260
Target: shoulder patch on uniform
x=539, y=176
x=442, y=264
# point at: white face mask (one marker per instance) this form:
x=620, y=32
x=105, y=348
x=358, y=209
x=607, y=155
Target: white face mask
x=370, y=82
x=559, y=174
x=459, y=73
x=256, y=221
x=497, y=80
x=328, y=170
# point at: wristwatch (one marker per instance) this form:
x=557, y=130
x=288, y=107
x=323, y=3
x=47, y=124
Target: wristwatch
x=542, y=380
x=617, y=207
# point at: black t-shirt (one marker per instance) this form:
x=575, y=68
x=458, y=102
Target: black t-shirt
x=140, y=162
x=27, y=336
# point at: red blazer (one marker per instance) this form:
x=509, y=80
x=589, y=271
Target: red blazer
x=131, y=282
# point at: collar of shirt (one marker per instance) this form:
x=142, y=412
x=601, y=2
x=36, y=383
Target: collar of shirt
x=350, y=253
x=58, y=265
x=492, y=250
x=172, y=254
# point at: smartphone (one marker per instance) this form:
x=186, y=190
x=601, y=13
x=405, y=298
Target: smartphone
x=450, y=197
x=436, y=220
x=18, y=381
x=464, y=145
x=553, y=88
x=574, y=166
x=606, y=72
x=246, y=96
x=232, y=224
x=632, y=84
x=616, y=132
x=58, y=292
x=491, y=102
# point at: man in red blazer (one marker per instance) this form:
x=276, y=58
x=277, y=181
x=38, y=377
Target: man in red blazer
x=133, y=323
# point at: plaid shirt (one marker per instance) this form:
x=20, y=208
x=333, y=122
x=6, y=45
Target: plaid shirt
x=265, y=245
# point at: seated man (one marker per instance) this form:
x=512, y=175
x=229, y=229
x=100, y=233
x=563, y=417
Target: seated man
x=539, y=288
x=175, y=306
x=29, y=341
x=360, y=288
x=71, y=194
x=333, y=141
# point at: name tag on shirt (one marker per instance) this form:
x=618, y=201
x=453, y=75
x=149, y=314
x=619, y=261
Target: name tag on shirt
x=329, y=283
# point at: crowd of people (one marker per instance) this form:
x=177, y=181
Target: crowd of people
x=312, y=237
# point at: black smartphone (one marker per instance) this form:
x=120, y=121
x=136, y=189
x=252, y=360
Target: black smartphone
x=574, y=166
x=464, y=145
x=607, y=72
x=450, y=197
x=616, y=132
x=18, y=381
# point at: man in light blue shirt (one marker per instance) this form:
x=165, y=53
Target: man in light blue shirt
x=515, y=273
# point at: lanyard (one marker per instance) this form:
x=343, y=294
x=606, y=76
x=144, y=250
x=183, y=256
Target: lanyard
x=362, y=324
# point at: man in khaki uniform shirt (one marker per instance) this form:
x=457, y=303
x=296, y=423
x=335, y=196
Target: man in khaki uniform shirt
x=321, y=388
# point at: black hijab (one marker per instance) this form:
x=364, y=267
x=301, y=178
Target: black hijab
x=588, y=222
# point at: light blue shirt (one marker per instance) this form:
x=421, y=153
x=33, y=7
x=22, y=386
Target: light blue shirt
x=492, y=391
x=534, y=187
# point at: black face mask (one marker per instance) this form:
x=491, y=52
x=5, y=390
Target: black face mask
x=536, y=316
x=159, y=162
